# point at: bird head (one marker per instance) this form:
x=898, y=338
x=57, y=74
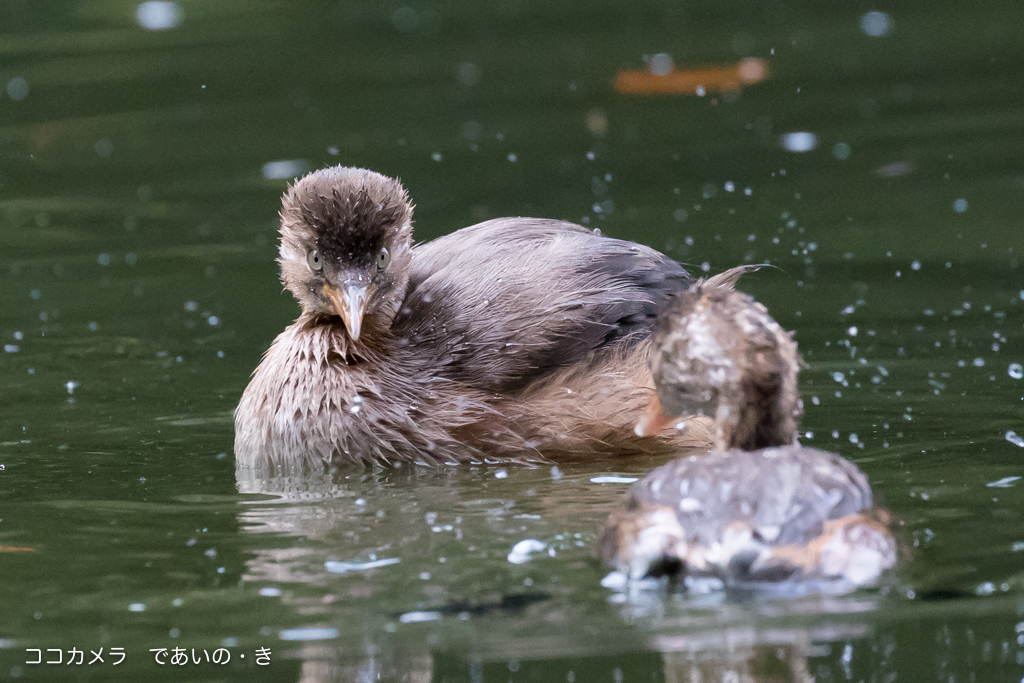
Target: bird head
x=346, y=245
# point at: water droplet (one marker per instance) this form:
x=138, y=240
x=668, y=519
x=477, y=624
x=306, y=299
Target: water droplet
x=841, y=151
x=285, y=169
x=800, y=141
x=661, y=64
x=876, y=24
x=158, y=16
x=17, y=88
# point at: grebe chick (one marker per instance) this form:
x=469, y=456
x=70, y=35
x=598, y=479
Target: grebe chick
x=761, y=509
x=515, y=339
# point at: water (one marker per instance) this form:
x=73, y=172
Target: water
x=139, y=186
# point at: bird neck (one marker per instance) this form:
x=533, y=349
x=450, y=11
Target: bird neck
x=762, y=420
x=373, y=338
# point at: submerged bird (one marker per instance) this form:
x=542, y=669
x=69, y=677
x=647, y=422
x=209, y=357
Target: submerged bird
x=514, y=339
x=761, y=508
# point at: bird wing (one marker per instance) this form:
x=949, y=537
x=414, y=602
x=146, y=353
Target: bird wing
x=510, y=300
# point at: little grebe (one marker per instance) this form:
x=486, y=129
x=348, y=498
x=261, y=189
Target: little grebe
x=762, y=508
x=514, y=339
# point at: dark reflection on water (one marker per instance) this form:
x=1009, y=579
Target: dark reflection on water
x=138, y=290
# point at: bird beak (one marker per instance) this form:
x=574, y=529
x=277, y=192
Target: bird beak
x=350, y=303
x=653, y=420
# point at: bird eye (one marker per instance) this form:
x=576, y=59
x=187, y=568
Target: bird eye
x=383, y=259
x=314, y=261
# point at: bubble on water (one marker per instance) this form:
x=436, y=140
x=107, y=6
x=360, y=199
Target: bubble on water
x=852, y=331
x=960, y=205
x=876, y=24
x=799, y=141
x=916, y=265
x=419, y=617
x=978, y=362
x=19, y=335
x=661, y=64
x=730, y=186
x=103, y=259
x=521, y=551
x=854, y=438
x=615, y=581
x=312, y=633
x=213, y=320
x=839, y=377
x=1015, y=438
x=158, y=16
x=513, y=158
x=17, y=88
x=1016, y=371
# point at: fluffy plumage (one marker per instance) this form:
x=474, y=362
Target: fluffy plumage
x=762, y=508
x=515, y=339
